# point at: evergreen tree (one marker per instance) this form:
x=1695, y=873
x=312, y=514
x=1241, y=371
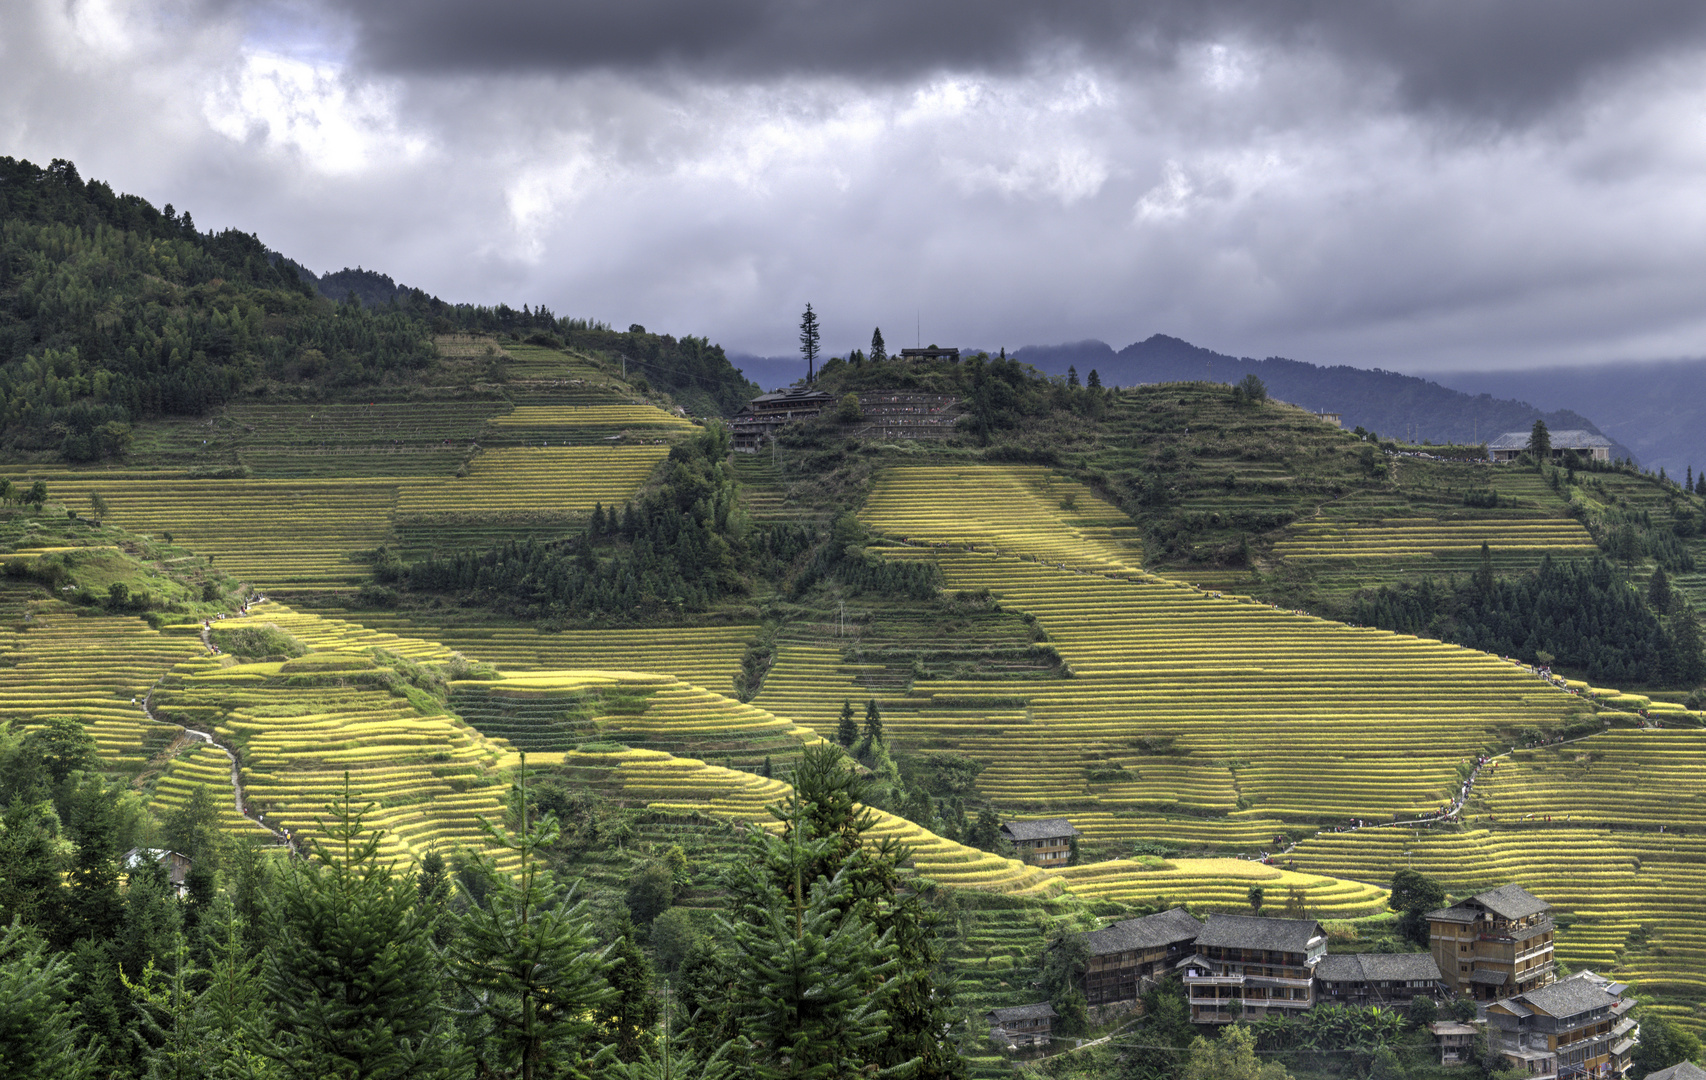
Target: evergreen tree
x=1072, y=376
x=847, y=731
x=873, y=722
x=94, y=907
x=878, y=352
x=627, y=1016
x=1659, y=592
x=1094, y=382
x=526, y=958
x=350, y=971
x=40, y=1038
x=809, y=342
x=1540, y=443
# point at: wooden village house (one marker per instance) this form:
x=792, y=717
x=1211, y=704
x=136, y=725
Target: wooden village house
x=1042, y=843
x=1124, y=956
x=1455, y=1041
x=761, y=417
x=1494, y=944
x=1575, y=1027
x=1021, y=1026
x=1588, y=446
x=1384, y=979
x=1266, y=965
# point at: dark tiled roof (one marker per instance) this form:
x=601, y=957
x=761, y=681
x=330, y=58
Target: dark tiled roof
x=1042, y=1010
x=1377, y=967
x=1046, y=829
x=1567, y=997
x=1512, y=902
x=1489, y=978
x=1149, y=932
x=1686, y=1071
x=1567, y=439
x=1506, y=901
x=1252, y=932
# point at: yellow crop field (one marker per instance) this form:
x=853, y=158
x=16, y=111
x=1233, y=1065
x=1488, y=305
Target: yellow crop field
x=555, y=480
x=1222, y=884
x=1011, y=508
x=570, y=419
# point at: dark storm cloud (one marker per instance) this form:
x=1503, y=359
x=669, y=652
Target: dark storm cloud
x=1495, y=60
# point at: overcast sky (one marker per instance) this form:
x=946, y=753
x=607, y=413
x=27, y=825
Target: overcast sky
x=1462, y=183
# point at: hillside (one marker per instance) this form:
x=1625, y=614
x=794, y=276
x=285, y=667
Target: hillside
x=1403, y=407
x=1005, y=597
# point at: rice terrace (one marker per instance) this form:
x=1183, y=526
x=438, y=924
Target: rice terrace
x=1089, y=654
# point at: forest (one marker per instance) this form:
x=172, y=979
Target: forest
x=333, y=963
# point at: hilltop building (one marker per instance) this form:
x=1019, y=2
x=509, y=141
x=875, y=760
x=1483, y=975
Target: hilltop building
x=1331, y=418
x=1022, y=1025
x=1575, y=1027
x=1364, y=979
x=932, y=353
x=761, y=416
x=1494, y=944
x=1126, y=955
x=1042, y=843
x=1266, y=965
x=1586, y=444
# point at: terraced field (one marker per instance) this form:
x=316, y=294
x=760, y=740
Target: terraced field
x=302, y=724
x=90, y=667
x=1006, y=507
x=558, y=710
x=1349, y=554
x=1221, y=885
x=1193, y=718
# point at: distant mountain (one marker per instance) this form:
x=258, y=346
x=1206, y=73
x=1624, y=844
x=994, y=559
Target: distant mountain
x=1397, y=406
x=770, y=372
x=1653, y=407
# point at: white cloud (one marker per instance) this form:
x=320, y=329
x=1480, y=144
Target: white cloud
x=312, y=110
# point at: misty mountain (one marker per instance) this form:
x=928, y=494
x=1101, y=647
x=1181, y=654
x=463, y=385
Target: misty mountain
x=1652, y=407
x=1397, y=406
x=770, y=372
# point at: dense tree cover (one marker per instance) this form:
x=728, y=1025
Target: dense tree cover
x=1583, y=613
x=112, y=311
x=680, y=547
x=345, y=965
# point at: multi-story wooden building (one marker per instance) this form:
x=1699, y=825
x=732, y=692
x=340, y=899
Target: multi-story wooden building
x=1022, y=1025
x=1267, y=965
x=1124, y=955
x=1377, y=978
x=1042, y=843
x=1455, y=1041
x=1494, y=944
x=1575, y=1027
x=765, y=414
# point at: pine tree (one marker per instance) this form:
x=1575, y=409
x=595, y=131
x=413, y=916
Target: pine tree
x=1094, y=382
x=873, y=722
x=526, y=957
x=847, y=731
x=809, y=342
x=1071, y=376
x=1540, y=443
x=39, y=1033
x=351, y=972
x=878, y=352
x=627, y=1016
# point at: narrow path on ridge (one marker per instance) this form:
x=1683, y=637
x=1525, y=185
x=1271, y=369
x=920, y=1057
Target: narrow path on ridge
x=237, y=798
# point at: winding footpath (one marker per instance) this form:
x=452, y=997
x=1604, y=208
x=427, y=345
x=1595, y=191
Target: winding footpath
x=238, y=801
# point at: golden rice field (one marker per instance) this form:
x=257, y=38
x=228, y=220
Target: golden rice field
x=90, y=667
x=560, y=481
x=1221, y=884
x=1224, y=718
x=1009, y=508
x=300, y=725
x=571, y=419
x=557, y=710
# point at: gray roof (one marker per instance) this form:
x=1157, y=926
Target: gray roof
x=1377, y=967
x=1149, y=932
x=1506, y=901
x=1512, y=902
x=1567, y=997
x=1046, y=829
x=1042, y=1010
x=1252, y=932
x=1452, y=1027
x=1488, y=977
x=1686, y=1071
x=1567, y=439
